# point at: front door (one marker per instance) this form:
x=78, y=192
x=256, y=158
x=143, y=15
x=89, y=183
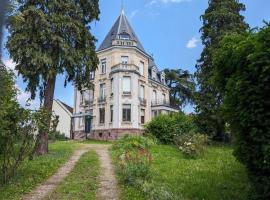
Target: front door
x=88, y=122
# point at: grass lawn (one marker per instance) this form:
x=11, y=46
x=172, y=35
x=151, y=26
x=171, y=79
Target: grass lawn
x=90, y=141
x=82, y=182
x=36, y=171
x=217, y=175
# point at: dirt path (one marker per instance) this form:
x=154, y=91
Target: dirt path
x=107, y=181
x=46, y=188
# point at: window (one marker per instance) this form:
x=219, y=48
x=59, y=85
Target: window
x=82, y=97
x=102, y=115
x=91, y=95
x=141, y=68
x=112, y=86
x=92, y=75
x=102, y=91
x=124, y=36
x=142, y=116
x=154, y=97
x=126, y=84
x=142, y=91
x=124, y=59
x=126, y=113
x=111, y=113
x=154, y=113
x=103, y=66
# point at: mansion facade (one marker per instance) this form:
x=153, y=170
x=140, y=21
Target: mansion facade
x=128, y=92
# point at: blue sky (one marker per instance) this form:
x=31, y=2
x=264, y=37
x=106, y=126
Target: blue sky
x=168, y=29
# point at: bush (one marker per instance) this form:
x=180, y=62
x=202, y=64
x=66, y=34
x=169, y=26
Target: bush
x=133, y=159
x=57, y=136
x=192, y=145
x=166, y=127
x=243, y=64
x=16, y=128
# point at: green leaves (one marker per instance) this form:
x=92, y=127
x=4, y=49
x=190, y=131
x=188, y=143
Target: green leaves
x=50, y=38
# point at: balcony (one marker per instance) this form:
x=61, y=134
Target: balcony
x=102, y=99
x=88, y=102
x=142, y=101
x=160, y=102
x=163, y=103
x=125, y=68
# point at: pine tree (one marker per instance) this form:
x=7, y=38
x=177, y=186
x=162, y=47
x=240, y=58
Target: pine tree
x=48, y=38
x=222, y=17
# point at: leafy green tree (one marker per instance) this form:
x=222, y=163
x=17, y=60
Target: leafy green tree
x=222, y=17
x=182, y=86
x=16, y=128
x=242, y=74
x=48, y=38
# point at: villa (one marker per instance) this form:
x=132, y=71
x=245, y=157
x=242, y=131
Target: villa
x=129, y=90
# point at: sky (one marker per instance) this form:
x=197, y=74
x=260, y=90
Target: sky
x=168, y=29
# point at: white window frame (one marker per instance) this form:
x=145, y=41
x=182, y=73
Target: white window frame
x=125, y=87
x=103, y=66
x=124, y=60
x=141, y=68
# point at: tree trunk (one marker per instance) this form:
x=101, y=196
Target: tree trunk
x=42, y=140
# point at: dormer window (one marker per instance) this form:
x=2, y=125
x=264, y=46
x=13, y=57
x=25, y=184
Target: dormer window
x=124, y=36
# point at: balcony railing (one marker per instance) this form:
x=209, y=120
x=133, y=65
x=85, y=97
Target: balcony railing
x=88, y=102
x=125, y=67
x=142, y=101
x=164, y=102
x=160, y=102
x=102, y=99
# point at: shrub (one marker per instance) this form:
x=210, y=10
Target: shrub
x=56, y=135
x=133, y=159
x=242, y=63
x=192, y=145
x=16, y=128
x=166, y=127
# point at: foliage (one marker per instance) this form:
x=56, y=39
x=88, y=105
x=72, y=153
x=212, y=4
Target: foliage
x=48, y=38
x=34, y=172
x=192, y=145
x=17, y=128
x=217, y=176
x=222, y=17
x=56, y=135
x=245, y=82
x=182, y=86
x=166, y=127
x=134, y=159
x=82, y=182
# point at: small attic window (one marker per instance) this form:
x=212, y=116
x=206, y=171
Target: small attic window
x=124, y=36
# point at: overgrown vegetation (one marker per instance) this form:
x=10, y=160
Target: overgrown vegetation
x=17, y=127
x=82, y=182
x=217, y=176
x=192, y=145
x=242, y=76
x=33, y=172
x=133, y=160
x=166, y=127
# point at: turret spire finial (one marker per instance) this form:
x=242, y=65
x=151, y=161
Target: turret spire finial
x=122, y=7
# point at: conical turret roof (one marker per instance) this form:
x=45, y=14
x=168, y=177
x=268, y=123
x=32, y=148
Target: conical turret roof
x=121, y=27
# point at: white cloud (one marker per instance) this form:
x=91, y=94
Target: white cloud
x=192, y=43
x=134, y=13
x=10, y=64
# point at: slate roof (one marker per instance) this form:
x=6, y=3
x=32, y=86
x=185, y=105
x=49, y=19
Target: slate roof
x=121, y=26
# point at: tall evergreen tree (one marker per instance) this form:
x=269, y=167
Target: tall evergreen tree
x=222, y=17
x=48, y=38
x=182, y=86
